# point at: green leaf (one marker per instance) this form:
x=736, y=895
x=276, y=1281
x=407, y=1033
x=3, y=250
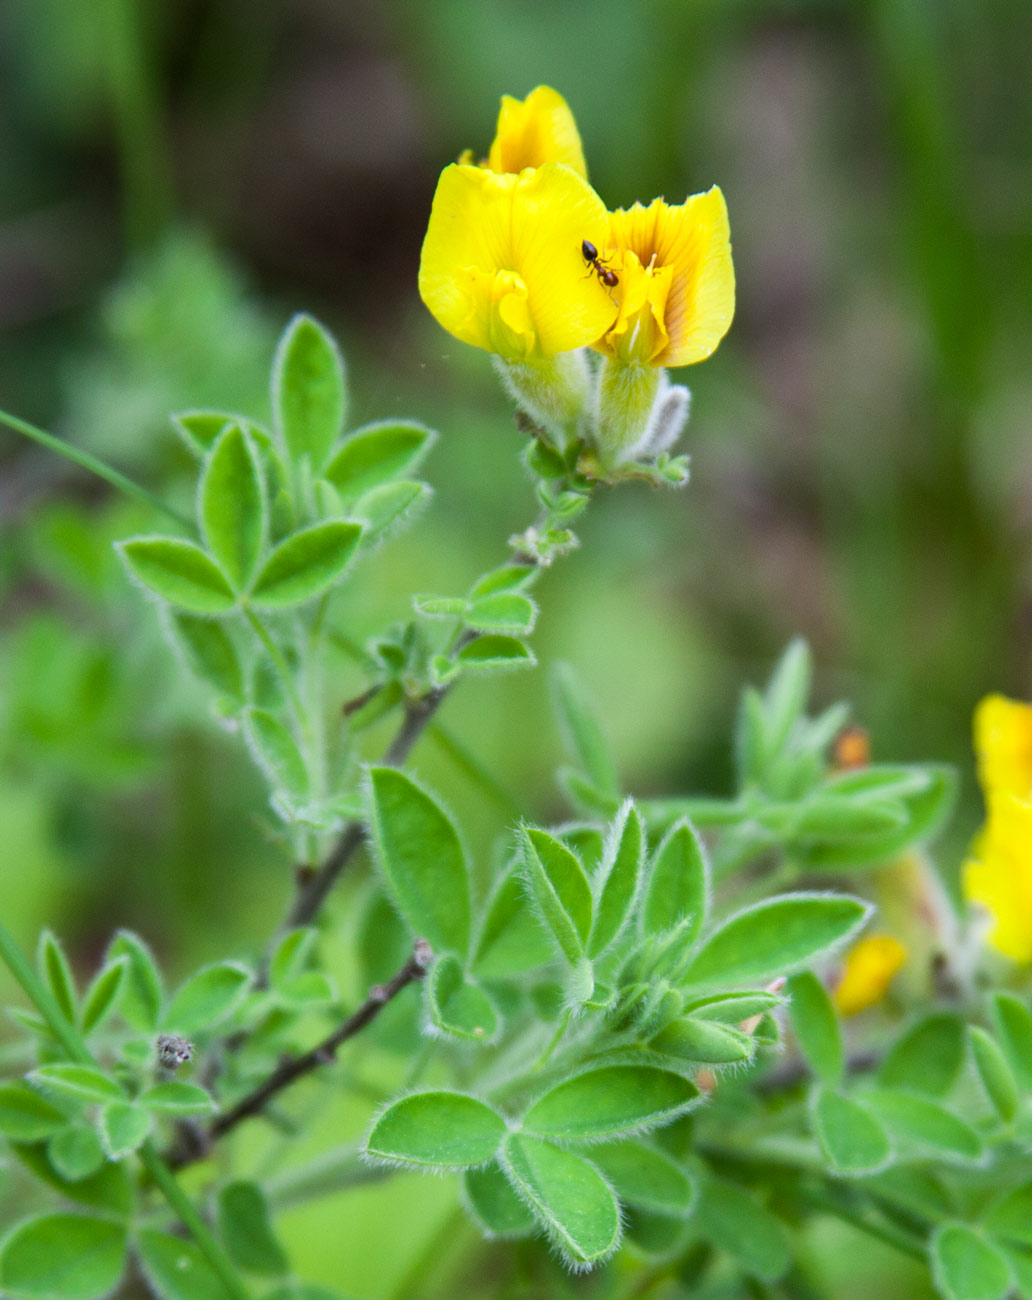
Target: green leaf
x=776, y=937
x=180, y=572
x=421, y=860
x=658, y=1236
x=610, y=1100
x=504, y=611
x=291, y=955
x=569, y=1197
x=511, y=939
x=581, y=731
x=77, y=1082
x=494, y=654
x=176, y=1269
x=140, y=997
x=583, y=795
x=926, y=809
x=928, y=1057
x=108, y=1190
x=457, y=1006
x=735, y=1222
x=645, y=1177
x=232, y=507
x=244, y=1225
x=618, y=879
x=56, y=973
x=446, y=1130
x=1020, y=1262
x=76, y=1153
x=816, y=1026
x=1010, y=1216
x=510, y=577
x=493, y=1203
x=308, y=394
x=733, y=1008
x=588, y=842
x=124, y=1126
x=306, y=990
x=787, y=692
x=678, y=884
x=377, y=454
x=1012, y=1021
x=995, y=1074
x=705, y=1042
x=102, y=995
x=915, y=1187
x=751, y=756
x=852, y=1139
x=305, y=564
x=277, y=753
x=25, y=1116
x=440, y=606
x=62, y=1257
x=560, y=891
x=199, y=429
x=825, y=816
x=176, y=1098
x=208, y=996
x=383, y=510
x=925, y=1124
x=966, y=1266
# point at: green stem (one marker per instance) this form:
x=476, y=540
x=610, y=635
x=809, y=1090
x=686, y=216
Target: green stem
x=66, y=1034
x=281, y=666
x=199, y=1230
x=330, y=1172
x=468, y=763
x=146, y=179
x=85, y=460
x=554, y=1041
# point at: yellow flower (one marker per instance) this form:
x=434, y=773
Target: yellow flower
x=501, y=266
x=1003, y=743
x=998, y=875
x=536, y=130
x=870, y=967
x=676, y=289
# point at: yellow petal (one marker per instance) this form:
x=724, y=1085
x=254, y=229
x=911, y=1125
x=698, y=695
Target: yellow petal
x=639, y=332
x=537, y=130
x=998, y=876
x=869, y=969
x=1003, y=743
x=692, y=239
x=501, y=266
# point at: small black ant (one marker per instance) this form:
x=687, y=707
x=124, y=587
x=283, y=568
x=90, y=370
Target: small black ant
x=590, y=254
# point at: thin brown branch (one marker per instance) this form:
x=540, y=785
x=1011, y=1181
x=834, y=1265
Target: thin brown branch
x=293, y=1068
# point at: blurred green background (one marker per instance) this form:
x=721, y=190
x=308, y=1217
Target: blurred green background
x=176, y=180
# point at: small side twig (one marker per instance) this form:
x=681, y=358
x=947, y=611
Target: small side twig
x=296, y=1067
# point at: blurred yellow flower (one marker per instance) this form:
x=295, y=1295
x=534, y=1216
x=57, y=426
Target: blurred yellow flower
x=536, y=130
x=676, y=288
x=998, y=875
x=870, y=967
x=502, y=267
x=1003, y=743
